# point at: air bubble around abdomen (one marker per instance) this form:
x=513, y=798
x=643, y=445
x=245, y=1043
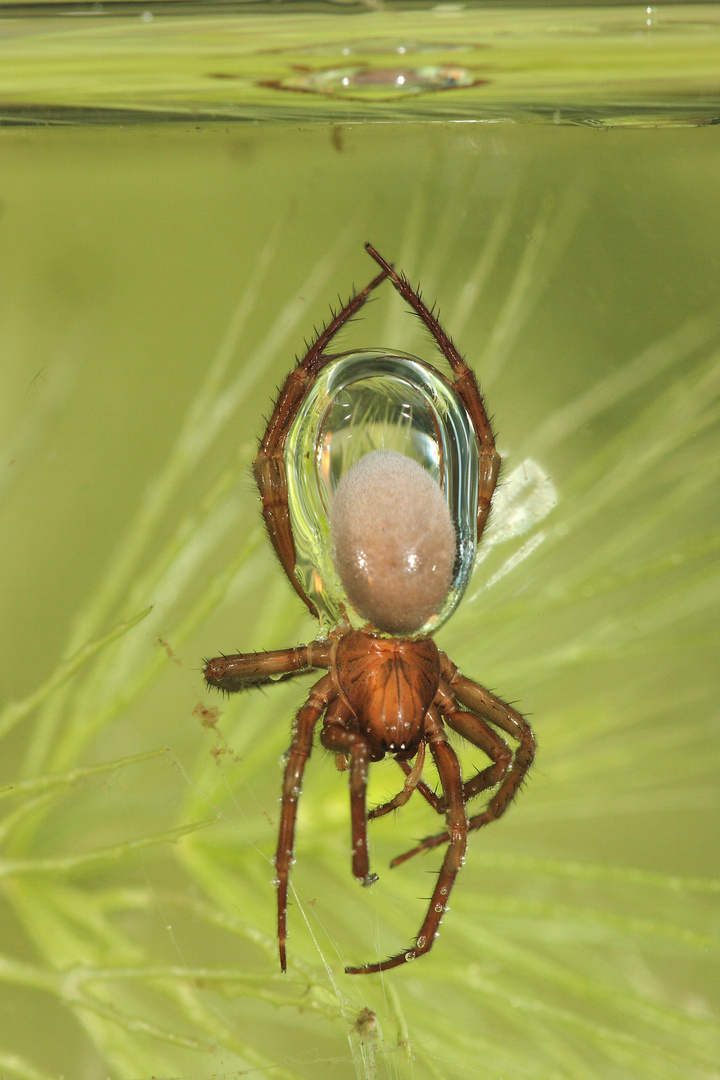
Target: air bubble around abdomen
x=365, y=401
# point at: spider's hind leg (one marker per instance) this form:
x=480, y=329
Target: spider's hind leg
x=465, y=385
x=269, y=464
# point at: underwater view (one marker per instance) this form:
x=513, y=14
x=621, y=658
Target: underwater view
x=159, y=277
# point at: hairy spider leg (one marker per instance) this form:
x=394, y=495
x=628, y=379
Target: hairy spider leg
x=335, y=736
x=480, y=735
x=242, y=671
x=319, y=698
x=483, y=708
x=269, y=464
x=448, y=768
x=474, y=730
x=482, y=703
x=465, y=385
x=436, y=801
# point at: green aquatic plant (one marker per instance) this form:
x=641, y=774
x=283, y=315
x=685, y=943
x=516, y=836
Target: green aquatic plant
x=140, y=814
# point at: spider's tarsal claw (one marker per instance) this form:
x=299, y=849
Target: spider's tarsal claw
x=369, y=880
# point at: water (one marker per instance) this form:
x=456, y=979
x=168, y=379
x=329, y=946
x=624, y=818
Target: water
x=157, y=282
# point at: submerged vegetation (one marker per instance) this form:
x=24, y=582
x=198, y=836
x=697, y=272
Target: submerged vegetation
x=140, y=814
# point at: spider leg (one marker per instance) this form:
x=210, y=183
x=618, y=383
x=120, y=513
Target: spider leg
x=320, y=696
x=336, y=737
x=478, y=733
x=412, y=782
x=483, y=708
x=487, y=706
x=245, y=670
x=448, y=767
x=465, y=385
x=269, y=464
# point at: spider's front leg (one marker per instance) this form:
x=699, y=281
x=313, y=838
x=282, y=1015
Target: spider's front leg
x=320, y=697
x=448, y=768
x=482, y=709
x=336, y=737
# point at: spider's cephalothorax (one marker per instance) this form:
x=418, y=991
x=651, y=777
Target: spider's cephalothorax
x=389, y=684
x=378, y=537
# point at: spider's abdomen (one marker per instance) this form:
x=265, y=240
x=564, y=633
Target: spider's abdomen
x=389, y=684
x=394, y=543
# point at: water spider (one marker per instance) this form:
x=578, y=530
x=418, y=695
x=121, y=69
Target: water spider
x=376, y=475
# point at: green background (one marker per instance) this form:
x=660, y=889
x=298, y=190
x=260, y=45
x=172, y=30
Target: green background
x=155, y=284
